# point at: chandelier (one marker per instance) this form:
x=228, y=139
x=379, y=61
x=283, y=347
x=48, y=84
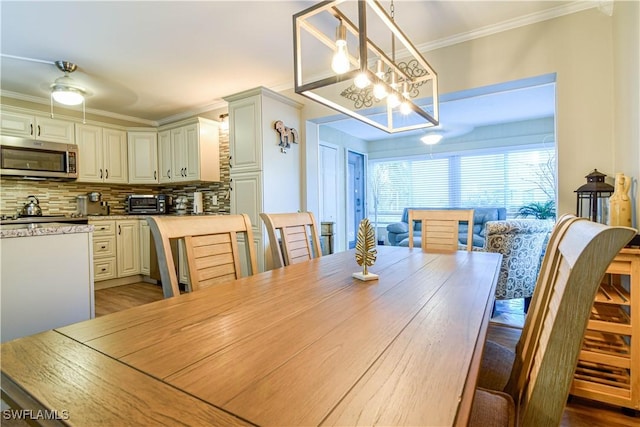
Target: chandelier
x=356, y=72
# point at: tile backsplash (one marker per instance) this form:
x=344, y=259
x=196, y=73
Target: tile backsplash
x=59, y=197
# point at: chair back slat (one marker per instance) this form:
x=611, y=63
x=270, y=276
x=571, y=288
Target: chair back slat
x=440, y=228
x=211, y=245
x=584, y=252
x=293, y=237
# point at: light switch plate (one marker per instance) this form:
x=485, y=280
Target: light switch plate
x=214, y=199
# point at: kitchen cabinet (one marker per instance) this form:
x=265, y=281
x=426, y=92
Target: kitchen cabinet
x=116, y=248
x=103, y=154
x=263, y=179
x=46, y=282
x=37, y=127
x=128, y=247
x=104, y=250
x=145, y=248
x=189, y=151
x=609, y=364
x=143, y=157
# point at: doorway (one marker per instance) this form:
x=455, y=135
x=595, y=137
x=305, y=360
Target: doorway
x=356, y=193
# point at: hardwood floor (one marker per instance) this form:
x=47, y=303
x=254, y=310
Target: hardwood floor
x=578, y=413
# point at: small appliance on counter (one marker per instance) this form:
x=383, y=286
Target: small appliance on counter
x=197, y=203
x=92, y=204
x=181, y=205
x=148, y=204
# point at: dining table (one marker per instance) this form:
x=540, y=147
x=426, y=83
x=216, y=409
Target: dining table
x=306, y=344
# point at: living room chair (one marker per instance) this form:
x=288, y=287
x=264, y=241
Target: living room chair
x=293, y=237
x=440, y=229
x=522, y=245
x=543, y=376
x=211, y=244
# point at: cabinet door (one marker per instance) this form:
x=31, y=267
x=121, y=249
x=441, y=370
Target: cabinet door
x=145, y=248
x=90, y=162
x=165, y=156
x=245, y=140
x=183, y=266
x=115, y=156
x=128, y=247
x=192, y=145
x=143, y=157
x=16, y=124
x=54, y=130
x=179, y=153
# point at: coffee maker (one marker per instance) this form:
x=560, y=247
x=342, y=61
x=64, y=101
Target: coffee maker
x=92, y=204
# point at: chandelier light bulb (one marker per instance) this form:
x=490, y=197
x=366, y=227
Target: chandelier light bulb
x=362, y=80
x=405, y=109
x=379, y=91
x=393, y=100
x=340, y=61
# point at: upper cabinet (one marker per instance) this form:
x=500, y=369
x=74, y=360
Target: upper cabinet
x=37, y=127
x=102, y=154
x=189, y=151
x=143, y=157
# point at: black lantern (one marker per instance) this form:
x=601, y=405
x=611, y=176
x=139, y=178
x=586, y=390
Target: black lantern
x=593, y=198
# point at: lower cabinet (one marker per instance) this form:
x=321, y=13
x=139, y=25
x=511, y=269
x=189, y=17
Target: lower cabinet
x=116, y=248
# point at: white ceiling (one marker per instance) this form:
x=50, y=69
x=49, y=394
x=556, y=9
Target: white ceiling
x=158, y=61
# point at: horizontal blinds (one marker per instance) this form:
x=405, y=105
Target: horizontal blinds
x=510, y=178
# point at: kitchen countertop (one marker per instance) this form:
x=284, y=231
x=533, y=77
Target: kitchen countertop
x=94, y=218
x=42, y=229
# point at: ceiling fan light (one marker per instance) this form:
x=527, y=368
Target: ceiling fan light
x=67, y=95
x=431, y=138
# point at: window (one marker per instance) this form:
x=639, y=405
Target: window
x=511, y=177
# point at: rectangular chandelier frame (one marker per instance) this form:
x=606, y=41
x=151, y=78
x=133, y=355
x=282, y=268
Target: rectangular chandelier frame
x=363, y=64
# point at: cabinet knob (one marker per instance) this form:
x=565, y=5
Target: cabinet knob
x=38, y=130
x=119, y=230
x=31, y=129
x=103, y=269
x=103, y=247
x=155, y=176
x=106, y=174
x=100, y=173
x=168, y=173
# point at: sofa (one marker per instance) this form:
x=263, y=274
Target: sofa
x=398, y=232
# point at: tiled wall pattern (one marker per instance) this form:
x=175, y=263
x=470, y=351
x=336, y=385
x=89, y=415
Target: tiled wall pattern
x=58, y=197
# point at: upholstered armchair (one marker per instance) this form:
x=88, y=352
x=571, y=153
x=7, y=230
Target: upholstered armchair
x=522, y=243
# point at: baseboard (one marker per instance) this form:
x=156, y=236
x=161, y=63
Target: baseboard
x=112, y=283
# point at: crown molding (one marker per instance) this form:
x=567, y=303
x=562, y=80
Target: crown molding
x=532, y=18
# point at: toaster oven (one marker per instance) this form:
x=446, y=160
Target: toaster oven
x=148, y=204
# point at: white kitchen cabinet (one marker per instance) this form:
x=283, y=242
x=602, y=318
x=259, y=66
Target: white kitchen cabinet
x=128, y=247
x=46, y=283
x=104, y=250
x=143, y=157
x=189, y=151
x=145, y=248
x=103, y=154
x=37, y=127
x=263, y=179
x=117, y=248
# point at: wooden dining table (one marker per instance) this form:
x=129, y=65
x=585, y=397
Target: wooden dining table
x=302, y=345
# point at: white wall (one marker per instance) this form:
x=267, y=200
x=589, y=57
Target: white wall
x=579, y=48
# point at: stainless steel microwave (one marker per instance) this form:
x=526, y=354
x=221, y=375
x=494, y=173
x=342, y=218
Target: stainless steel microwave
x=37, y=159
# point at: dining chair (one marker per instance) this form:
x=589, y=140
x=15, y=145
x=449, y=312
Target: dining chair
x=293, y=237
x=497, y=360
x=211, y=246
x=573, y=272
x=440, y=229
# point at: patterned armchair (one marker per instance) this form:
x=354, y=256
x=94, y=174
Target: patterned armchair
x=522, y=243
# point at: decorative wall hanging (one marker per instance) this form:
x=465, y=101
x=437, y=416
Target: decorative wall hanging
x=287, y=136
x=368, y=83
x=366, y=251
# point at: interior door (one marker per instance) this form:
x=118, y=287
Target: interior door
x=355, y=195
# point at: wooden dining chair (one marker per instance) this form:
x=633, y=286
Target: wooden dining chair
x=499, y=361
x=440, y=228
x=584, y=252
x=293, y=237
x=211, y=244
